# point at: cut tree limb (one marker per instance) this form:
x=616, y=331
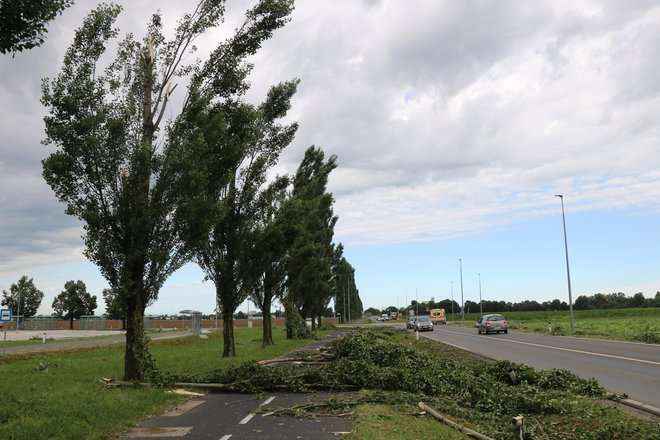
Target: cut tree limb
x=436, y=415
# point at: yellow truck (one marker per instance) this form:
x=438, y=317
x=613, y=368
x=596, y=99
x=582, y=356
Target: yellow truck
x=438, y=316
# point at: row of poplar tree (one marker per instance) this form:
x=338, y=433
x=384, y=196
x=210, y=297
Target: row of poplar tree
x=157, y=185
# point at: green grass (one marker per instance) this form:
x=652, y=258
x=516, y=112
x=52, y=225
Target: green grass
x=385, y=422
x=58, y=396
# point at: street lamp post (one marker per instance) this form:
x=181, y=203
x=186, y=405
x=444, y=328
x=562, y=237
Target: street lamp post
x=452, y=301
x=481, y=310
x=18, y=315
x=568, y=271
x=460, y=265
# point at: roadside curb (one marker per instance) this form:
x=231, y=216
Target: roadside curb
x=641, y=406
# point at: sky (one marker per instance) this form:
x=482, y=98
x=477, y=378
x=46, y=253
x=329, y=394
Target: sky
x=455, y=124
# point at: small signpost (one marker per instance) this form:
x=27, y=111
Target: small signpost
x=5, y=316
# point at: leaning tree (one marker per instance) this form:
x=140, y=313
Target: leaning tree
x=117, y=166
x=312, y=253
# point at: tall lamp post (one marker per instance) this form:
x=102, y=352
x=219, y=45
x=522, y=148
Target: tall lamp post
x=452, y=301
x=481, y=310
x=568, y=272
x=460, y=265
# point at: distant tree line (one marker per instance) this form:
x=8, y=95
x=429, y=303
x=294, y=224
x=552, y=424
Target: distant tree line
x=598, y=301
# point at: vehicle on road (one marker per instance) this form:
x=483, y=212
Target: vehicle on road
x=438, y=316
x=384, y=317
x=411, y=322
x=492, y=324
x=423, y=323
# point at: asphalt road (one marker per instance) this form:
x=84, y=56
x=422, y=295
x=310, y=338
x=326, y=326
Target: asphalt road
x=621, y=367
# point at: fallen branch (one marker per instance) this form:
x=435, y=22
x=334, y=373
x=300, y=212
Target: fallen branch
x=463, y=429
x=293, y=361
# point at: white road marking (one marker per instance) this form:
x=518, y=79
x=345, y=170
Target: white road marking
x=246, y=419
x=225, y=437
x=563, y=349
x=249, y=416
x=267, y=401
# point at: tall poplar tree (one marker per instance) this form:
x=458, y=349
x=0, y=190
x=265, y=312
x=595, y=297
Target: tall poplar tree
x=273, y=236
x=310, y=259
x=117, y=167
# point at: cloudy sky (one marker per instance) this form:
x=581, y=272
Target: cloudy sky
x=454, y=122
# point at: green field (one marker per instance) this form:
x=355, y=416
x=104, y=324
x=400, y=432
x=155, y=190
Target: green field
x=635, y=324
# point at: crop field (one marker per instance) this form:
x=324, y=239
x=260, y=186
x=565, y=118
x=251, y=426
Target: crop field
x=638, y=325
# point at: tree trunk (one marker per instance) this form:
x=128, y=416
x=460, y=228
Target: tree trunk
x=228, y=333
x=136, y=343
x=268, y=326
x=71, y=323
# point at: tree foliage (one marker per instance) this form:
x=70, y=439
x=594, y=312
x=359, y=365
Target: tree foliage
x=74, y=301
x=345, y=291
x=114, y=307
x=272, y=239
x=312, y=253
x=23, y=297
x=23, y=22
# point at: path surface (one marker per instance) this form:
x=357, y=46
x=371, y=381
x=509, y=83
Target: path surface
x=61, y=339
x=234, y=416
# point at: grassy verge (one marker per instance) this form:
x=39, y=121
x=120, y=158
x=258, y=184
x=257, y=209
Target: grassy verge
x=58, y=395
x=386, y=422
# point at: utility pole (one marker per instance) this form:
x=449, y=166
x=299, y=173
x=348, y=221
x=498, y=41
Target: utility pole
x=481, y=310
x=452, y=301
x=568, y=272
x=18, y=315
x=344, y=288
x=460, y=265
x=349, y=303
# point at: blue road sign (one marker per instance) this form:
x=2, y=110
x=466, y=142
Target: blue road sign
x=5, y=315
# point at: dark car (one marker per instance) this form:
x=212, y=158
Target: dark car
x=423, y=323
x=492, y=324
x=411, y=322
